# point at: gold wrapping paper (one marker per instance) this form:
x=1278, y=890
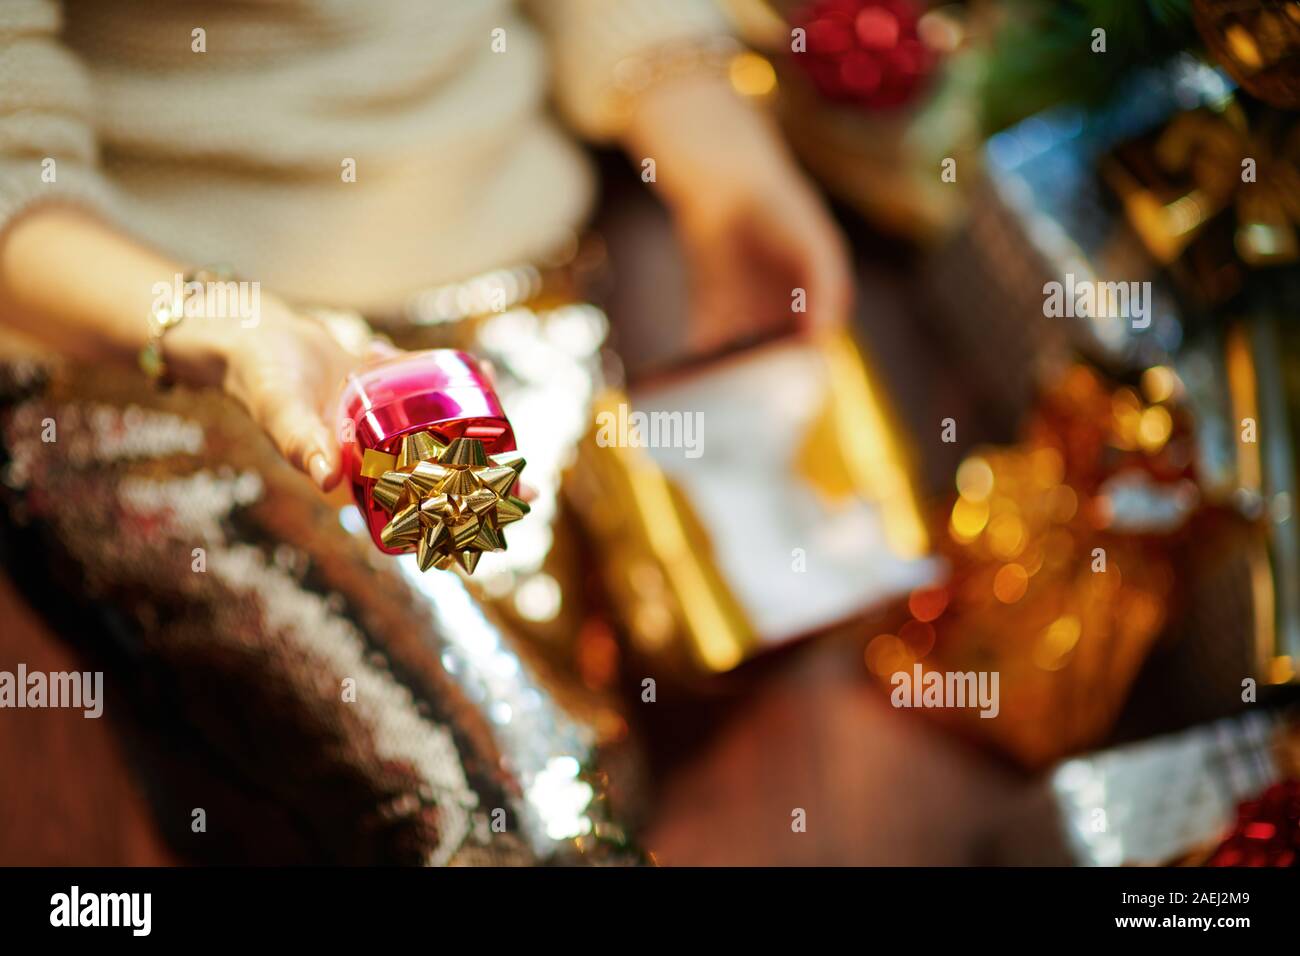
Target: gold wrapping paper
x=1048, y=589
x=659, y=553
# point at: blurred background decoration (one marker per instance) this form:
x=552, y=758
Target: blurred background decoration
x=1163, y=150
x=1061, y=551
x=1159, y=170
x=1177, y=166
x=874, y=95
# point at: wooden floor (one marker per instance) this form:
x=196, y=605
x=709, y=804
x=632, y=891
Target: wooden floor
x=67, y=793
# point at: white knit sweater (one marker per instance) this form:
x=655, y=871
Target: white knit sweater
x=238, y=154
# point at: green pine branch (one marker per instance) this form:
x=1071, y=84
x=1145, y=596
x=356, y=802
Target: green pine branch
x=1043, y=55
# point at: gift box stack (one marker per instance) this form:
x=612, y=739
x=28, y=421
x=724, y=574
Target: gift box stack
x=1183, y=176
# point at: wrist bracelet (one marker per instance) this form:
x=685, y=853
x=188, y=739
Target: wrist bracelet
x=166, y=315
x=634, y=75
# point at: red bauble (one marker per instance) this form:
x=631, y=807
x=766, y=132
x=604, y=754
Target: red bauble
x=1267, y=832
x=865, y=52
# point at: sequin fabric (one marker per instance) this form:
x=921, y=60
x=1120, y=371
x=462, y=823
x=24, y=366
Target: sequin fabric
x=319, y=701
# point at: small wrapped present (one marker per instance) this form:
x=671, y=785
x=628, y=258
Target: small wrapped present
x=431, y=458
x=1266, y=832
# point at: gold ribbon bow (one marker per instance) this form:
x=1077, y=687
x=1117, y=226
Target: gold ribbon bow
x=448, y=501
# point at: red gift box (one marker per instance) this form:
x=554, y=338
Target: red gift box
x=431, y=457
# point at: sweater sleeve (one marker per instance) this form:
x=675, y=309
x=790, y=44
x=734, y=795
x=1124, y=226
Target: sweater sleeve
x=592, y=40
x=47, y=141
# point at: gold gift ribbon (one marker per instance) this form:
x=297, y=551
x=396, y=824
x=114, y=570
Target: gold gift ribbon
x=449, y=502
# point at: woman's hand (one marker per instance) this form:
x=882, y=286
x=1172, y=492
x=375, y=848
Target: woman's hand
x=762, y=250
x=286, y=370
x=79, y=286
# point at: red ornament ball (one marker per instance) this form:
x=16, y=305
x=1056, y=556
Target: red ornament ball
x=864, y=52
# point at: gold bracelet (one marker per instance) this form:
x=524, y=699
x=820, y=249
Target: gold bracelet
x=165, y=316
x=710, y=56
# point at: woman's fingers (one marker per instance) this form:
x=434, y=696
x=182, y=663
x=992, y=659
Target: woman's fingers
x=303, y=439
x=321, y=472
x=291, y=370
x=810, y=238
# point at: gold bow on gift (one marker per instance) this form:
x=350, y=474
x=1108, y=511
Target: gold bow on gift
x=1210, y=147
x=448, y=501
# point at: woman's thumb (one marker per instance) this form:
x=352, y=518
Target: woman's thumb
x=297, y=430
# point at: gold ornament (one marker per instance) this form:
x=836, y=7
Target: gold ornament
x=449, y=502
